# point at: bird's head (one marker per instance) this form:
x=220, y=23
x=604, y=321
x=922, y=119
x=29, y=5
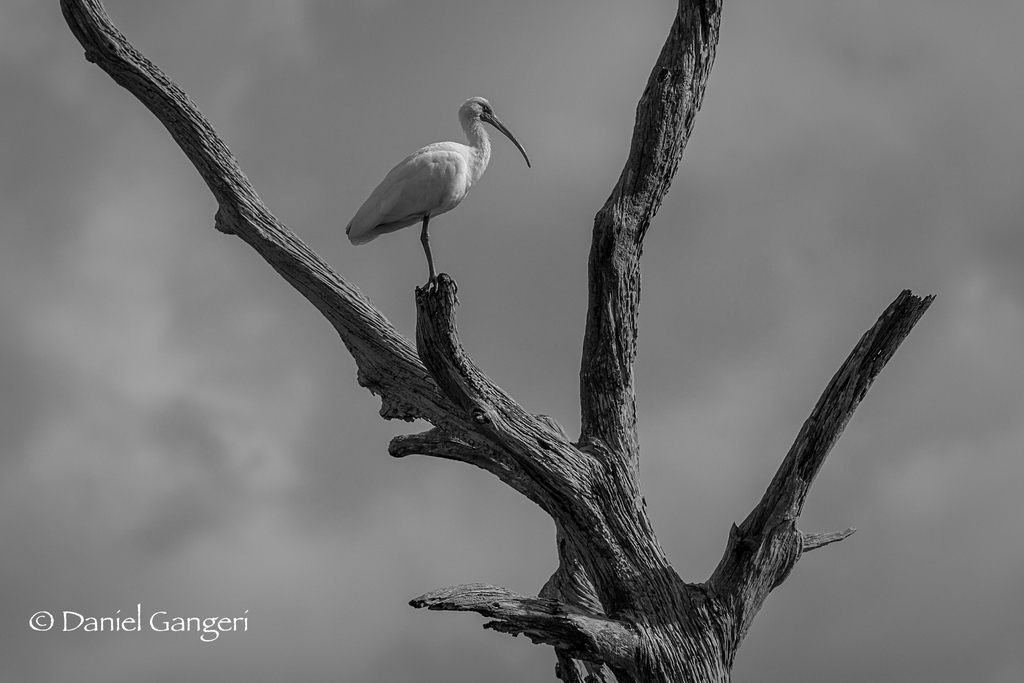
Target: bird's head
x=474, y=108
x=478, y=109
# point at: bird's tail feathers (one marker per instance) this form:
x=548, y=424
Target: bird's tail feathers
x=357, y=238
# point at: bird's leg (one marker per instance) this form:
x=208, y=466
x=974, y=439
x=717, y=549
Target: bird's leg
x=425, y=241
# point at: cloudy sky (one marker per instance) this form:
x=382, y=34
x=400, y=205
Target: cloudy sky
x=181, y=430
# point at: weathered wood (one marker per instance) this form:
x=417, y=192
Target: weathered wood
x=763, y=549
x=387, y=361
x=664, y=121
x=575, y=632
x=614, y=609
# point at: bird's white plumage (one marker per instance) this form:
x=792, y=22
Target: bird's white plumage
x=428, y=182
x=431, y=181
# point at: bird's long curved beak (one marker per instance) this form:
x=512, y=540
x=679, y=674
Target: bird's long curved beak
x=493, y=120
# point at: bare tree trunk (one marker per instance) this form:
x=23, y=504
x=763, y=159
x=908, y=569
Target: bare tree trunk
x=615, y=609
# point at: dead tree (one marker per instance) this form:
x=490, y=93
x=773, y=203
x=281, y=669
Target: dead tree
x=615, y=610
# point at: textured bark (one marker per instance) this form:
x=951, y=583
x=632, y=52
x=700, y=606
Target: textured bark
x=664, y=120
x=615, y=609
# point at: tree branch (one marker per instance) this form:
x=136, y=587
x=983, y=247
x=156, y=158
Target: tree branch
x=436, y=443
x=387, y=362
x=531, y=454
x=572, y=631
x=787, y=493
x=811, y=541
x=763, y=549
x=664, y=121
x=614, y=599
x=609, y=532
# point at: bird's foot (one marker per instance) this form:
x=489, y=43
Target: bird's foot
x=430, y=287
x=437, y=282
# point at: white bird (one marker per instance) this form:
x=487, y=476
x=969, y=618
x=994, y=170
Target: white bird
x=430, y=181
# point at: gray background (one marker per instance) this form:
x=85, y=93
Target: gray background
x=180, y=429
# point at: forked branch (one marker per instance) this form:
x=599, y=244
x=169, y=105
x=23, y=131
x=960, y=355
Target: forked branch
x=614, y=599
x=607, y=530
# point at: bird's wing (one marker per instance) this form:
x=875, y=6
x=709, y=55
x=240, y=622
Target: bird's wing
x=420, y=184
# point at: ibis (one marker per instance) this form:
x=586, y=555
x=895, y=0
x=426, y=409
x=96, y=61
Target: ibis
x=430, y=181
